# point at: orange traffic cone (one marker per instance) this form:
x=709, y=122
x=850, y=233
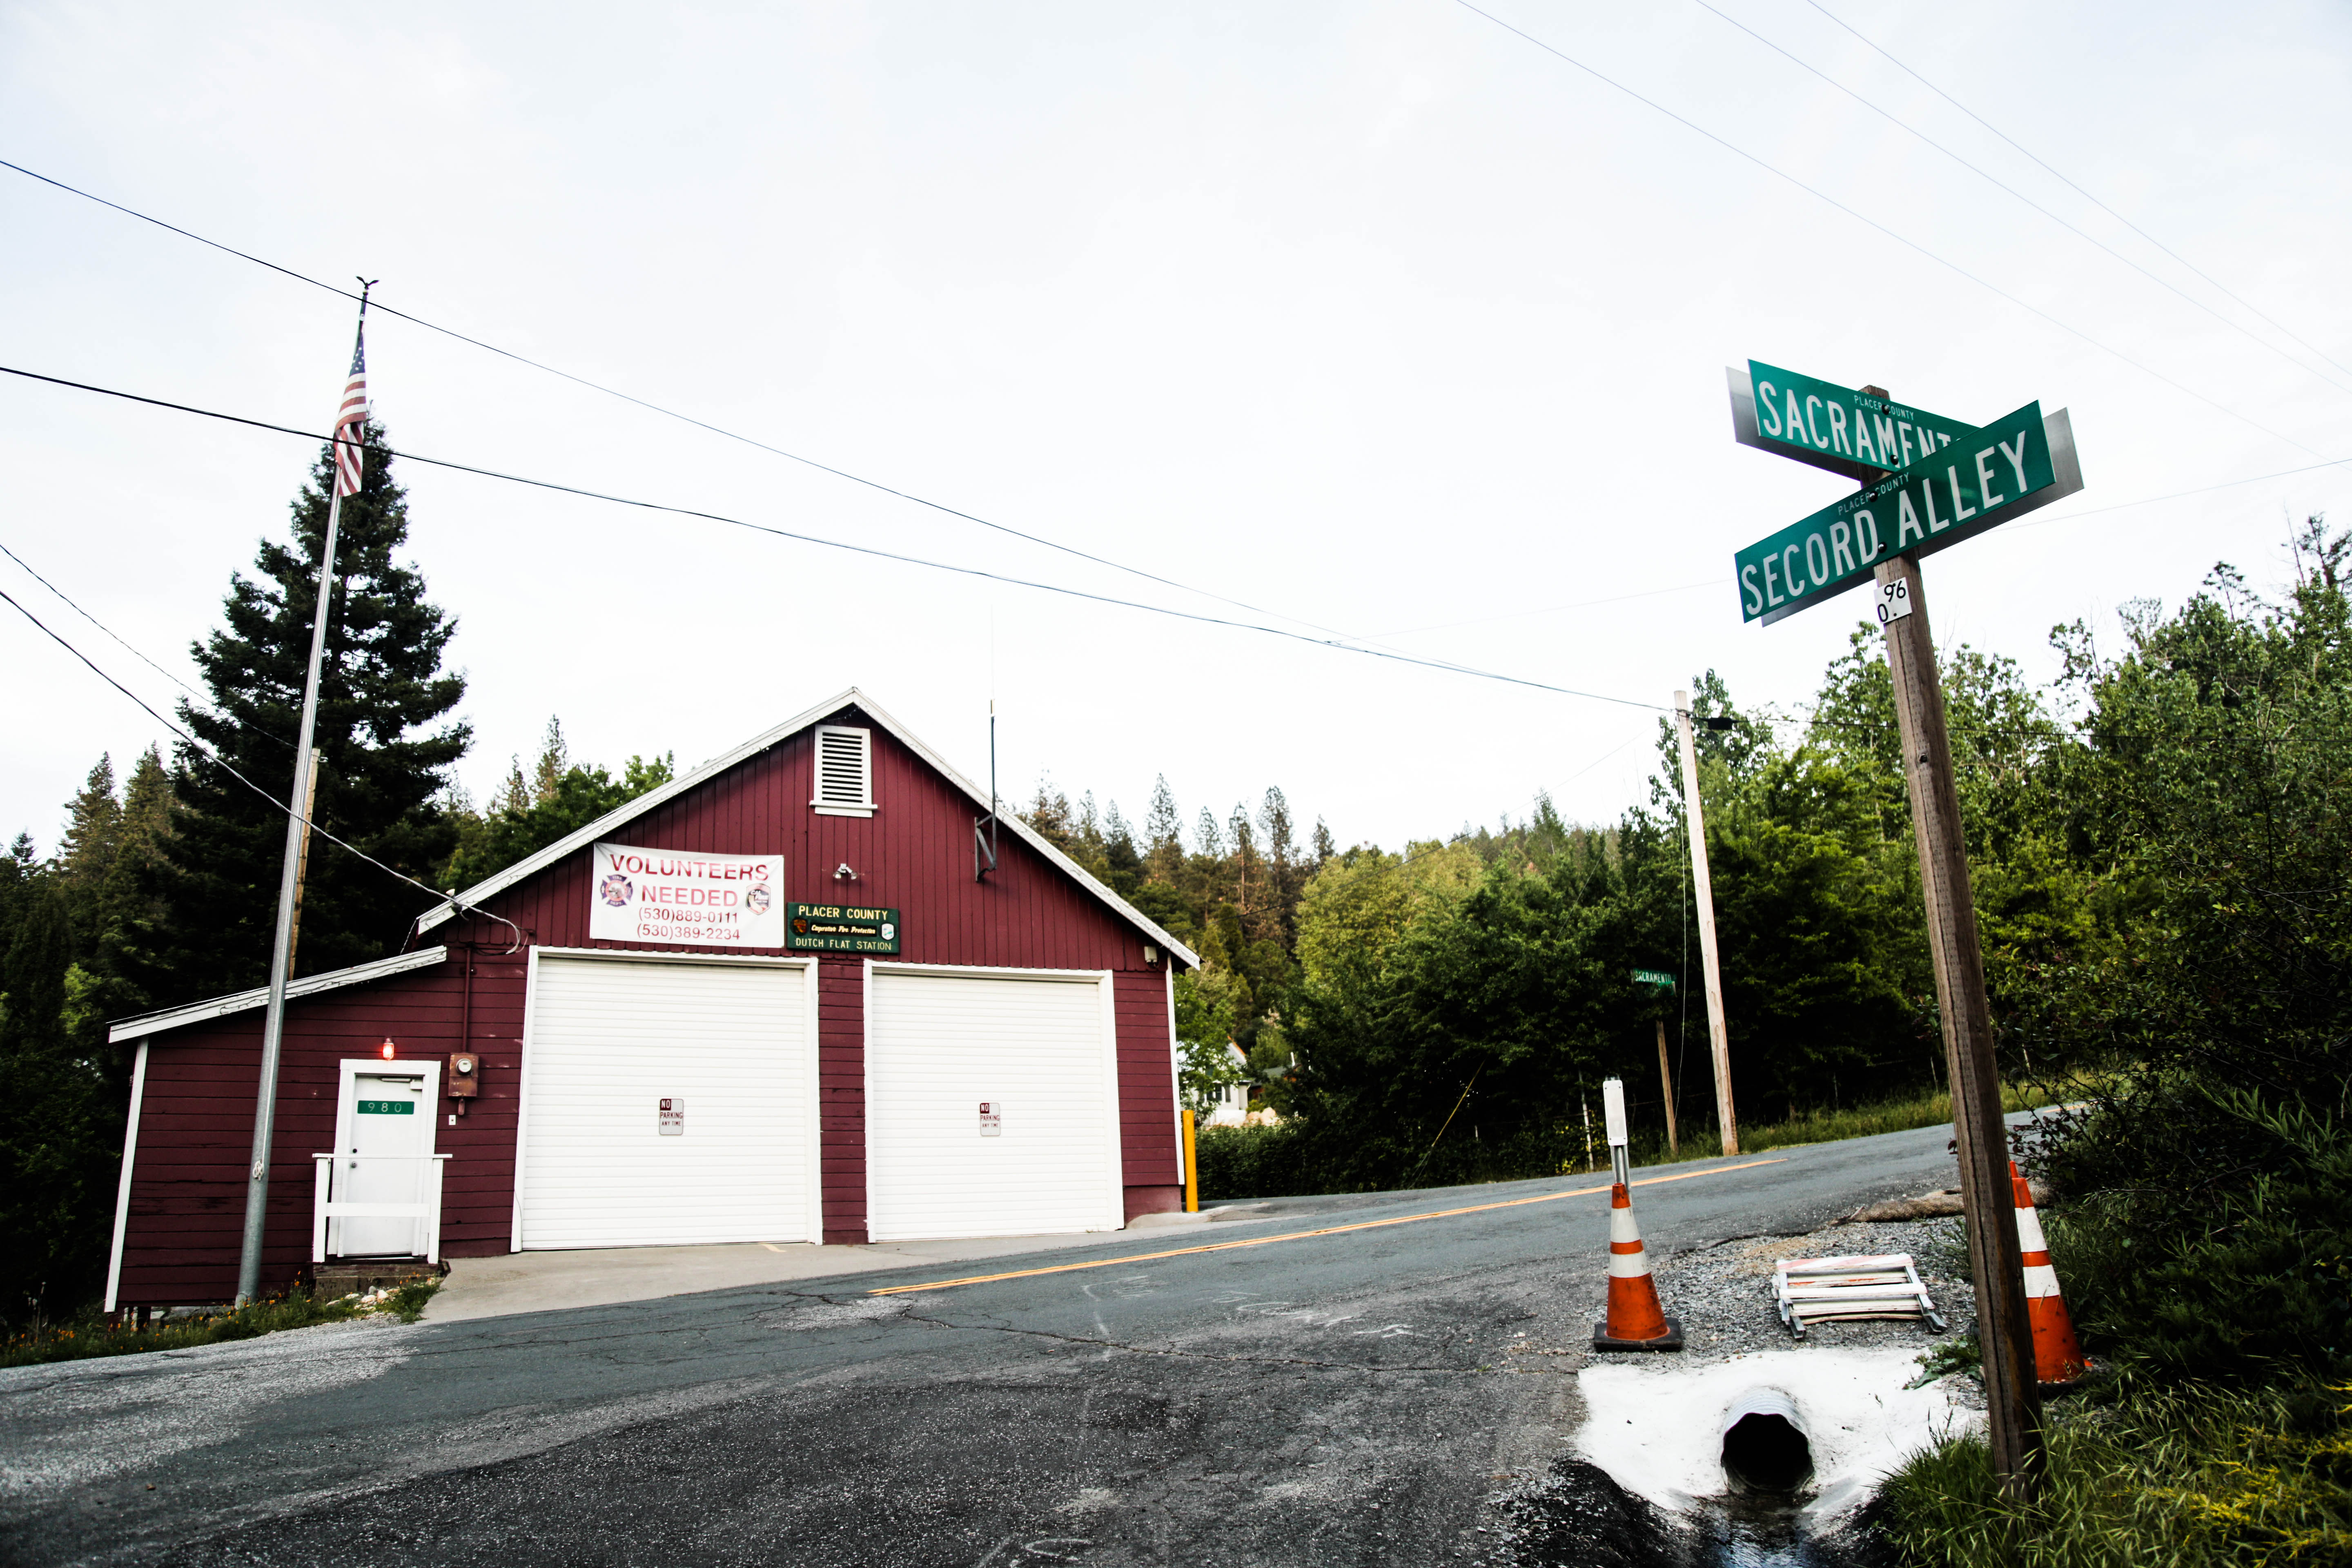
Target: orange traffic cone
x=1636, y=1322
x=2058, y=1359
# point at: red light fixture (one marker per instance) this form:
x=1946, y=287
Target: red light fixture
x=387, y=1050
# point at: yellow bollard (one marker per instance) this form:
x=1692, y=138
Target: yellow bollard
x=1191, y=1169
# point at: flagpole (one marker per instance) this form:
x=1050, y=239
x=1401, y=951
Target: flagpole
x=290, y=885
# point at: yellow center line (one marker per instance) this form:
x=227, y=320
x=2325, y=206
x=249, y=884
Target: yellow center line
x=1304, y=1234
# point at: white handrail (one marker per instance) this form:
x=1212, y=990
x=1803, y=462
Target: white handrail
x=427, y=1211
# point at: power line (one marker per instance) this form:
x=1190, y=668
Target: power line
x=134, y=653
x=1824, y=196
x=1998, y=183
x=438, y=896
x=1555, y=609
x=2070, y=185
x=859, y=549
x=383, y=308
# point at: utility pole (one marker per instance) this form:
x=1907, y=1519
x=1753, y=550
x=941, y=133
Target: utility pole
x=1666, y=1083
x=2013, y=1397
x=1703, y=897
x=345, y=470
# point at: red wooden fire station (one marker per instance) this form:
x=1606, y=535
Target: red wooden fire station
x=785, y=998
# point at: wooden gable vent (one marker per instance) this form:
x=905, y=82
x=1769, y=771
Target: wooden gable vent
x=845, y=771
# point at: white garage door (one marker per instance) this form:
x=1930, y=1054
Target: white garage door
x=1038, y=1053
x=727, y=1046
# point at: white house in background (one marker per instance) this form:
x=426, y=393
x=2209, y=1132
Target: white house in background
x=1230, y=1107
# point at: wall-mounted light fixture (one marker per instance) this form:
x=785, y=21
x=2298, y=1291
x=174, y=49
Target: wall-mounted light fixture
x=841, y=873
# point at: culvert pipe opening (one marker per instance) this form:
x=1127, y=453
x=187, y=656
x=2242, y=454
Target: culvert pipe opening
x=1764, y=1445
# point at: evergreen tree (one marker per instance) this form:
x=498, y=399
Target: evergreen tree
x=1163, y=834
x=383, y=750
x=94, y=827
x=561, y=797
x=56, y=1122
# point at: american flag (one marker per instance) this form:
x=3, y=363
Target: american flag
x=349, y=421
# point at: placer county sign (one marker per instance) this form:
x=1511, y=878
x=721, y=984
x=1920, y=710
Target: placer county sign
x=843, y=928
x=1858, y=433
x=697, y=901
x=1973, y=480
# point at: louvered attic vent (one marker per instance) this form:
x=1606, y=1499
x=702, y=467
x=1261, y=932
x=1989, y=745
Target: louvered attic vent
x=845, y=771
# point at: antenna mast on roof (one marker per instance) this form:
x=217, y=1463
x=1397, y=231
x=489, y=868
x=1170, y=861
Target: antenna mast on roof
x=983, y=843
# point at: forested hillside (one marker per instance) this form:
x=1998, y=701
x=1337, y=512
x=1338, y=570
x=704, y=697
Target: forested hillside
x=1492, y=969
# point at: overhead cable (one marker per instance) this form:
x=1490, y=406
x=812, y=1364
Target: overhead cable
x=1999, y=183
x=134, y=653
x=1905, y=240
x=859, y=549
x=2078, y=190
x=449, y=898
x=377, y=304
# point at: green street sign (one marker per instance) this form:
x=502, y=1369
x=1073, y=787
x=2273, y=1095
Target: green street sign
x=2017, y=464
x=1832, y=427
x=841, y=928
x=1654, y=977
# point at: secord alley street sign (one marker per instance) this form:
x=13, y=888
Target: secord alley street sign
x=1974, y=480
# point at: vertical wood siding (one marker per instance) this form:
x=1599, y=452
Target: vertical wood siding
x=914, y=855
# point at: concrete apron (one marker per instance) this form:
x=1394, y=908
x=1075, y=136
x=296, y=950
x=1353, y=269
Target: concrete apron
x=604, y=1277
x=1659, y=1428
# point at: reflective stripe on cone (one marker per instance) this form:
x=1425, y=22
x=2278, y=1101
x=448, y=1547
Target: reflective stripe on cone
x=2057, y=1355
x=1636, y=1319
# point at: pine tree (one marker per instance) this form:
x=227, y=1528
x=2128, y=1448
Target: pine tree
x=94, y=828
x=554, y=761
x=384, y=759
x=122, y=915
x=54, y=1126
x=526, y=816
x=1163, y=833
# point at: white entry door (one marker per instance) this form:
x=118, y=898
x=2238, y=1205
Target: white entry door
x=991, y=1107
x=388, y=1139
x=667, y=1103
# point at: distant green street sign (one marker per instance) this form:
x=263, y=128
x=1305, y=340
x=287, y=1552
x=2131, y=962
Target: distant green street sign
x=2017, y=464
x=1653, y=977
x=1832, y=427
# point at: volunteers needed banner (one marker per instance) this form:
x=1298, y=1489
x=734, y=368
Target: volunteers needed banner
x=700, y=900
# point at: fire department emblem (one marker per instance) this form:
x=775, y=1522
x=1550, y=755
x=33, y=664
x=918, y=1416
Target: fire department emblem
x=617, y=892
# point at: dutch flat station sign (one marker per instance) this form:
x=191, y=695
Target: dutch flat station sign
x=843, y=928
x=1929, y=483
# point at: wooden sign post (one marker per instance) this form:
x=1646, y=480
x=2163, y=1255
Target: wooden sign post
x=1702, y=904
x=2012, y=1398
x=1927, y=483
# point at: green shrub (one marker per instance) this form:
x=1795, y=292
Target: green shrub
x=2232, y=1276
x=2182, y=1477
x=92, y=1336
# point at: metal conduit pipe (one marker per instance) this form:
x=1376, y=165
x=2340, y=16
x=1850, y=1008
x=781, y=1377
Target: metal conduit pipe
x=1765, y=1444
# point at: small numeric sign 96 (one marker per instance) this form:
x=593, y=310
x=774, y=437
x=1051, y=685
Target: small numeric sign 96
x=1894, y=599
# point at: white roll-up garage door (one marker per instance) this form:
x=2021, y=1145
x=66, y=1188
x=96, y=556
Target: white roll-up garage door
x=1038, y=1053
x=727, y=1045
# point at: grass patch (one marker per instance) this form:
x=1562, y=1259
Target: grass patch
x=92, y=1336
x=1867, y=1121
x=1649, y=1144
x=2185, y=1477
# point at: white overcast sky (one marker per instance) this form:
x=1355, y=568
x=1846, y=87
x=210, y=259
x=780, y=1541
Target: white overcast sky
x=1376, y=316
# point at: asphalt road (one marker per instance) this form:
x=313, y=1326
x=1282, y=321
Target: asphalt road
x=1346, y=1398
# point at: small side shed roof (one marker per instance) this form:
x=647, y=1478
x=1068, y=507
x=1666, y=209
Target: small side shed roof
x=241, y=1001
x=604, y=826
